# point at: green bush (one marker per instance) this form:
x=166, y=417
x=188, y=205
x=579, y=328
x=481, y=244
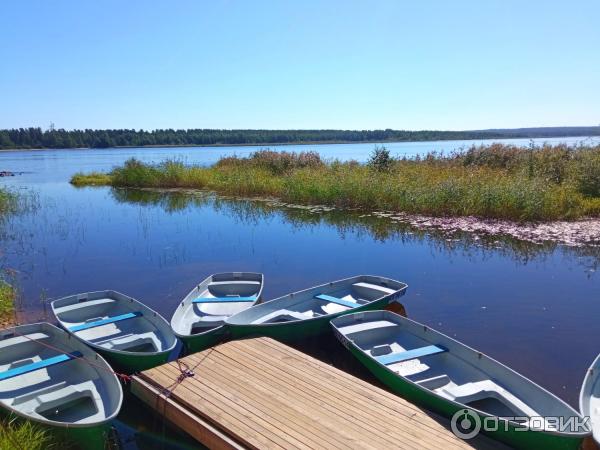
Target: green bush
x=380, y=159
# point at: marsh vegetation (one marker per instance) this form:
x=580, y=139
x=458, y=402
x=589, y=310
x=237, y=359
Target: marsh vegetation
x=497, y=181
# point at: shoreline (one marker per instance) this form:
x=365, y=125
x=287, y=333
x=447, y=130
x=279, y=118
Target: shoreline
x=281, y=144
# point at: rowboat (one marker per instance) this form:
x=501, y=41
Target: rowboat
x=308, y=312
x=589, y=398
x=443, y=375
x=131, y=336
x=199, y=319
x=58, y=383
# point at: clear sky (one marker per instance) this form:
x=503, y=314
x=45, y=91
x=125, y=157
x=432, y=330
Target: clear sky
x=299, y=64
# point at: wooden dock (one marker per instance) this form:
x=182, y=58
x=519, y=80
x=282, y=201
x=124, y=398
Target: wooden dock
x=260, y=394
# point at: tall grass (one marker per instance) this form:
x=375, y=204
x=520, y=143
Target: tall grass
x=22, y=434
x=499, y=181
x=7, y=303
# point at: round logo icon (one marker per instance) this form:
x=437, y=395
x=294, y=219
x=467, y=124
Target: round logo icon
x=465, y=424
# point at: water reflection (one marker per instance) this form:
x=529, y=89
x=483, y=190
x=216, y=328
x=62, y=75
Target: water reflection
x=251, y=211
x=519, y=302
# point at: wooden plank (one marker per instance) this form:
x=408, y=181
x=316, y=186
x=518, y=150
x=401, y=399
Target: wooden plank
x=260, y=394
x=172, y=411
x=237, y=403
x=289, y=408
x=224, y=412
x=351, y=399
x=299, y=390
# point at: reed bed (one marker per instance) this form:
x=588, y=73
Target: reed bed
x=498, y=181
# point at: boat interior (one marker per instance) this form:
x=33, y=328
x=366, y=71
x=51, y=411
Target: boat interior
x=45, y=384
x=215, y=299
x=319, y=301
x=112, y=322
x=443, y=366
x=590, y=398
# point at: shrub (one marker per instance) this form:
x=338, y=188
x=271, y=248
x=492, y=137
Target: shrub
x=586, y=172
x=380, y=159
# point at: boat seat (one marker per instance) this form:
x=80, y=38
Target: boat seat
x=102, y=322
x=10, y=340
x=360, y=327
x=210, y=318
x=224, y=283
x=479, y=390
x=83, y=304
x=375, y=287
x=339, y=301
x=284, y=314
x=129, y=341
x=434, y=382
x=392, y=358
x=224, y=299
x=42, y=364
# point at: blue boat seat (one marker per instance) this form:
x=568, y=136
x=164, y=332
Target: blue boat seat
x=392, y=358
x=224, y=299
x=99, y=323
x=38, y=365
x=339, y=301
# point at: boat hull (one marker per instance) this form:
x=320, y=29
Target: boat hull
x=129, y=363
x=293, y=331
x=198, y=342
x=516, y=438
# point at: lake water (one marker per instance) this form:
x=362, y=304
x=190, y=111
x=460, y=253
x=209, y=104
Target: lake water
x=533, y=307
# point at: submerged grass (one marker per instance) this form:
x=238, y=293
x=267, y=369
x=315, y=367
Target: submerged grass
x=499, y=181
x=8, y=201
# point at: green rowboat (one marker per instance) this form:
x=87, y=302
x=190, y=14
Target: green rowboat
x=58, y=383
x=199, y=319
x=308, y=312
x=440, y=374
x=131, y=336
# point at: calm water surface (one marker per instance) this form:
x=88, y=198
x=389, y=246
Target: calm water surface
x=534, y=307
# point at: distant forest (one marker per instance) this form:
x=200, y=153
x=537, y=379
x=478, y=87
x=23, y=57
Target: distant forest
x=59, y=138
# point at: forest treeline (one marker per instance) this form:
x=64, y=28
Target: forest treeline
x=60, y=138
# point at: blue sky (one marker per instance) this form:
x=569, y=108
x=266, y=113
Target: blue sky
x=303, y=64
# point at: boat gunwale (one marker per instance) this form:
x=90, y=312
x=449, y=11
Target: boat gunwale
x=341, y=336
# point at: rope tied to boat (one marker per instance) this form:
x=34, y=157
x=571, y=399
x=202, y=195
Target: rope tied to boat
x=184, y=372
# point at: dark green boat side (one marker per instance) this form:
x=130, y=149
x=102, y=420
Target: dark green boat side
x=374, y=292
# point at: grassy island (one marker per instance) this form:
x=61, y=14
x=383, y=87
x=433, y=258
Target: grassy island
x=497, y=181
